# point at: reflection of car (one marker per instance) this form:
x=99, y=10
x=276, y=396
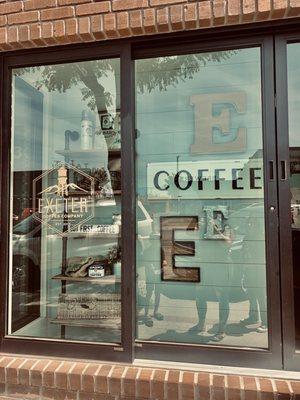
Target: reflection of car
x=31, y=245
x=249, y=221
x=102, y=232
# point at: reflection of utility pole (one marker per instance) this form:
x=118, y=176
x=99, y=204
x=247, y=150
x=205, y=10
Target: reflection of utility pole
x=73, y=136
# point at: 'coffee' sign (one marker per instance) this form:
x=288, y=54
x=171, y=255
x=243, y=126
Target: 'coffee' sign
x=210, y=179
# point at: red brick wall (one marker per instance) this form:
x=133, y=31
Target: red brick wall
x=31, y=23
x=44, y=379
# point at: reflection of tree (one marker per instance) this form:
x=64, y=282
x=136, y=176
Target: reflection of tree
x=155, y=73
x=162, y=72
x=62, y=77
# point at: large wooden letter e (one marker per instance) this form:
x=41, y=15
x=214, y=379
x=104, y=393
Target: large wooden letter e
x=171, y=248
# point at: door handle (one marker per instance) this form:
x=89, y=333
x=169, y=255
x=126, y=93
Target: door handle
x=271, y=170
x=283, y=173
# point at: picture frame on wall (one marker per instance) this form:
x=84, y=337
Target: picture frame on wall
x=110, y=125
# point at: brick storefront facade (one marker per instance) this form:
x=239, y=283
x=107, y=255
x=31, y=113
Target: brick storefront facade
x=41, y=23
x=37, y=23
x=43, y=379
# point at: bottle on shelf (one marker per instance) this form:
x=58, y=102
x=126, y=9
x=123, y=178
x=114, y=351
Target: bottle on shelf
x=87, y=131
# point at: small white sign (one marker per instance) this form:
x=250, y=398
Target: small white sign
x=111, y=229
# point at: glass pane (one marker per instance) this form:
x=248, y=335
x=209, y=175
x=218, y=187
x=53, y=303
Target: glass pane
x=294, y=147
x=65, y=270
x=201, y=263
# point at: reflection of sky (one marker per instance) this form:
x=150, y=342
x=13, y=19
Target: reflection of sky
x=61, y=112
x=165, y=119
x=294, y=90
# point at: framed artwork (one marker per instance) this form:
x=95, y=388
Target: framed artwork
x=110, y=125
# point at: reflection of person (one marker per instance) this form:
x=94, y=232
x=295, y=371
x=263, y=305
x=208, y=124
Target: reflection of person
x=242, y=285
x=229, y=292
x=239, y=284
x=222, y=296
x=152, y=288
x=252, y=277
x=202, y=295
x=257, y=304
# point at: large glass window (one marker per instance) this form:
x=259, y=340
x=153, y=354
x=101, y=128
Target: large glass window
x=65, y=270
x=201, y=259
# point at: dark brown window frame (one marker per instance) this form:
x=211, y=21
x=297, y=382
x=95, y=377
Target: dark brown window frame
x=128, y=50
x=100, y=351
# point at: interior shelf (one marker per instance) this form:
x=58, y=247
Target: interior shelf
x=105, y=280
x=111, y=157
x=103, y=323
x=114, y=153
x=79, y=153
